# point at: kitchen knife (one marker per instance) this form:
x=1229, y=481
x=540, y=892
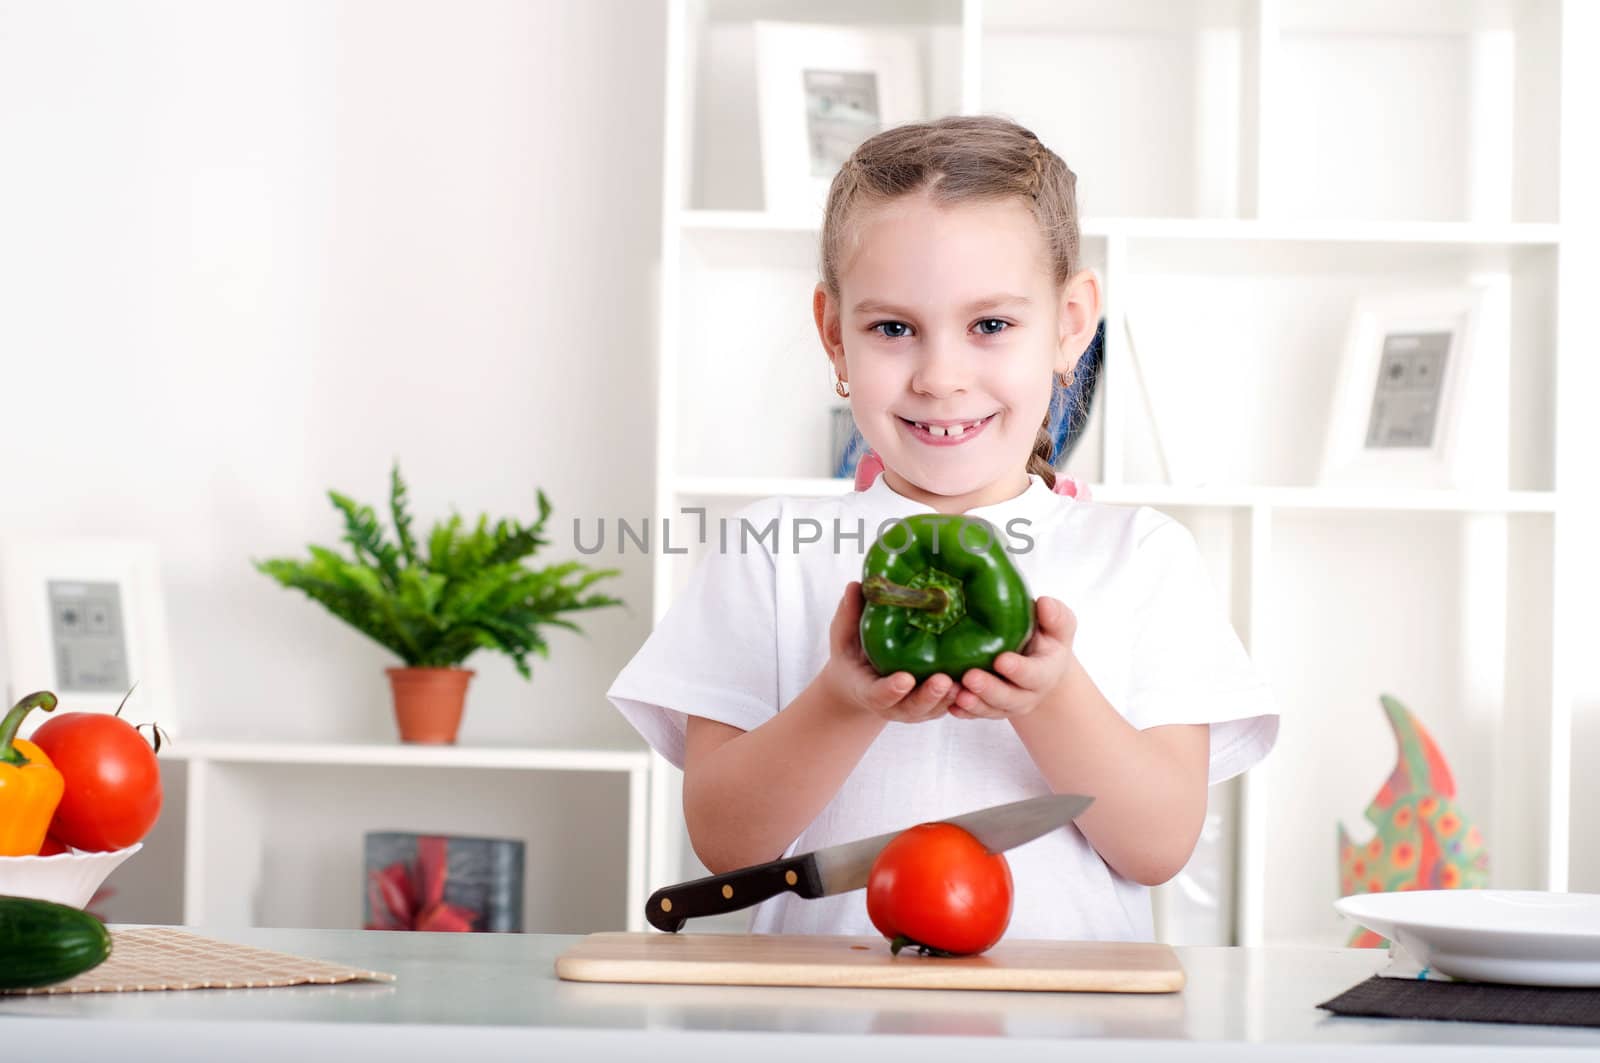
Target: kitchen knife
x=840, y=868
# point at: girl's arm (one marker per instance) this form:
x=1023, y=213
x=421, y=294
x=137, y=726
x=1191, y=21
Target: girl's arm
x=748, y=794
x=1149, y=787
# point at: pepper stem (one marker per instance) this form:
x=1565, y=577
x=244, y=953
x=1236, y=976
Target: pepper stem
x=880, y=590
x=9, y=753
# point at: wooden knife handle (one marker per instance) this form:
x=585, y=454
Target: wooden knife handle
x=669, y=906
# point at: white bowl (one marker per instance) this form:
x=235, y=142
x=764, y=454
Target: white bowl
x=67, y=878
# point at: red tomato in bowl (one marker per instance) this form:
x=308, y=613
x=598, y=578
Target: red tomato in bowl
x=936, y=887
x=112, y=783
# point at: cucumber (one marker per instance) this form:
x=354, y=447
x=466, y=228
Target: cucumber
x=42, y=942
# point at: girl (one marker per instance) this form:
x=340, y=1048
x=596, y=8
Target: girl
x=951, y=303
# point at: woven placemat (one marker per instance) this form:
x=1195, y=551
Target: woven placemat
x=163, y=958
x=1399, y=998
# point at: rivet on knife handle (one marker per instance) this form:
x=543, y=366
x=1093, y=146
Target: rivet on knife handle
x=670, y=906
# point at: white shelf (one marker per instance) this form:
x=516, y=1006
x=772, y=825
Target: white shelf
x=760, y=486
x=1329, y=498
x=1221, y=496
x=1508, y=234
x=1262, y=195
x=1379, y=232
x=747, y=221
x=226, y=783
x=396, y=756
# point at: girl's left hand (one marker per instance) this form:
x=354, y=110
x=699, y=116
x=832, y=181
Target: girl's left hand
x=1020, y=681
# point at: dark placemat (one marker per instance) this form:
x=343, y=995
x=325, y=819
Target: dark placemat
x=1410, y=998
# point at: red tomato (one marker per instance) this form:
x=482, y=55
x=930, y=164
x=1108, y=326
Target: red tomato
x=52, y=845
x=112, y=792
x=936, y=886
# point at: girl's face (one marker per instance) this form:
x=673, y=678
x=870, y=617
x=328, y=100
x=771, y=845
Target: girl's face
x=949, y=327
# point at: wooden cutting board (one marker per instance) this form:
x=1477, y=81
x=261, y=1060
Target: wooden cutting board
x=806, y=960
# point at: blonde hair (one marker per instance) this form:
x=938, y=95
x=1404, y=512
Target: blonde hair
x=958, y=159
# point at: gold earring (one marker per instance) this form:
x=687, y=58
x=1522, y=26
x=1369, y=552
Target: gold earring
x=839, y=388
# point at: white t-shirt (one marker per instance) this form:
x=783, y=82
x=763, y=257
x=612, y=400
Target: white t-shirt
x=750, y=631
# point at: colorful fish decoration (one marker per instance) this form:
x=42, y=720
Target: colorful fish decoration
x=1424, y=841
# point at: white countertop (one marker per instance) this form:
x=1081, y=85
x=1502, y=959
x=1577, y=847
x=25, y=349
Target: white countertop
x=466, y=998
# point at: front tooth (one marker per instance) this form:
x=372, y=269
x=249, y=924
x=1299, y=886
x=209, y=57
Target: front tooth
x=955, y=430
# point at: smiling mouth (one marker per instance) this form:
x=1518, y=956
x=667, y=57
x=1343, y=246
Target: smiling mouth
x=949, y=431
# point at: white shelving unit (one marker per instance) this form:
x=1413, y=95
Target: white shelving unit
x=245, y=803
x=1247, y=168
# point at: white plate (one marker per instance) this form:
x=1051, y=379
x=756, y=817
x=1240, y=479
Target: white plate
x=1523, y=937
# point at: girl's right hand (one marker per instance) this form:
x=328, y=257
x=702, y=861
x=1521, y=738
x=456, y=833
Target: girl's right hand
x=850, y=679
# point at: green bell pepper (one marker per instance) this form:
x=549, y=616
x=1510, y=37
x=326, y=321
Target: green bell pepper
x=941, y=596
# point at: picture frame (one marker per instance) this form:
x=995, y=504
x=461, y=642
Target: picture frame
x=85, y=619
x=1396, y=417
x=434, y=882
x=820, y=91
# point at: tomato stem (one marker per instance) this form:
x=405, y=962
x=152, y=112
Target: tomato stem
x=156, y=735
x=903, y=941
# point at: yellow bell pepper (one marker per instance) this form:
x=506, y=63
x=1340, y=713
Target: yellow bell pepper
x=30, y=786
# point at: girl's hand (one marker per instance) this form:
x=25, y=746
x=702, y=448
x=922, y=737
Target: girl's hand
x=851, y=681
x=1024, y=679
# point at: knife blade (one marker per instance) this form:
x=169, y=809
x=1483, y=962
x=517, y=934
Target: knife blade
x=845, y=867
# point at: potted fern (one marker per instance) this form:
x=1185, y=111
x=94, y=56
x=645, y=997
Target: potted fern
x=468, y=590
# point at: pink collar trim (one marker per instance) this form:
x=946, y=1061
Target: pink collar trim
x=871, y=465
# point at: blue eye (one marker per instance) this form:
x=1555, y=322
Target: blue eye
x=992, y=326
x=893, y=330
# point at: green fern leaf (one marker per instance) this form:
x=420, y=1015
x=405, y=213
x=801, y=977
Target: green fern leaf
x=365, y=537
x=472, y=591
x=402, y=519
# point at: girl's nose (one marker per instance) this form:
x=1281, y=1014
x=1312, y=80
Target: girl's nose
x=942, y=369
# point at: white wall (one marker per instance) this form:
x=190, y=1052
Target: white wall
x=250, y=251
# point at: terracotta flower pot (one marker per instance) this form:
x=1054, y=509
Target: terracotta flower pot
x=428, y=702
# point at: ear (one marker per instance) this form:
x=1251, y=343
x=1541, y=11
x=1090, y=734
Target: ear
x=825, y=309
x=1079, y=317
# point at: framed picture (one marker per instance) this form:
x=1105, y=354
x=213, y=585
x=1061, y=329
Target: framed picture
x=821, y=91
x=1396, y=416
x=84, y=618
x=437, y=882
